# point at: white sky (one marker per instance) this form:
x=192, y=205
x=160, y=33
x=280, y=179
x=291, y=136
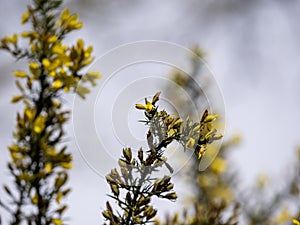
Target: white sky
x=253, y=49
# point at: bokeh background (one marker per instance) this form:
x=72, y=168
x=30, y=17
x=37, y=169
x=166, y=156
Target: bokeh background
x=252, y=48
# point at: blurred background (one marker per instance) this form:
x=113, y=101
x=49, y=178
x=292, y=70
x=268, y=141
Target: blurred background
x=252, y=47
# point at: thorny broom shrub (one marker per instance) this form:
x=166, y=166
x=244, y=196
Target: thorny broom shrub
x=134, y=185
x=39, y=162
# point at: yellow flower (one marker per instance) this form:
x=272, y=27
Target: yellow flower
x=91, y=76
x=210, y=118
x=179, y=79
x=52, y=74
x=52, y=39
x=62, y=72
x=72, y=22
x=82, y=91
x=65, y=14
x=32, y=35
x=59, y=196
x=205, y=180
x=55, y=64
x=56, y=104
x=87, y=61
x=16, y=98
x=39, y=124
x=69, y=21
x=178, y=122
x=66, y=165
x=219, y=165
x=59, y=49
x=283, y=217
x=73, y=17
x=35, y=199
x=12, y=39
x=25, y=176
x=26, y=34
x=15, y=156
x=224, y=193
x=28, y=113
x=236, y=139
x=296, y=222
x=52, y=152
x=201, y=151
x=46, y=63
x=33, y=47
x=190, y=143
x=139, y=106
x=57, y=84
x=148, y=107
x=33, y=67
x=78, y=25
x=210, y=134
x=66, y=89
x=48, y=167
x=25, y=17
x=217, y=137
x=21, y=74
x=88, y=52
x=197, y=128
x=80, y=44
x=171, y=132
x=14, y=148
x=57, y=221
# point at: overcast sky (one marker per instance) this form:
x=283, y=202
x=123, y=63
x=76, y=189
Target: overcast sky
x=252, y=48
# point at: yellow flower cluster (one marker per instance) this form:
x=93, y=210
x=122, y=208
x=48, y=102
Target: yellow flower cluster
x=194, y=136
x=296, y=222
x=149, y=106
x=200, y=135
x=69, y=21
x=63, y=66
x=39, y=163
x=61, y=63
x=283, y=217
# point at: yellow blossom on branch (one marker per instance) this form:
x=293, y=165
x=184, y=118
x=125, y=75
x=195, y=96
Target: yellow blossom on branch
x=21, y=74
x=190, y=143
x=67, y=165
x=57, y=221
x=25, y=17
x=148, y=107
x=57, y=84
x=12, y=39
x=39, y=124
x=296, y=222
x=219, y=165
x=16, y=98
x=48, y=167
x=283, y=217
x=38, y=164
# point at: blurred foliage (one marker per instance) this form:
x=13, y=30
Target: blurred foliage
x=39, y=162
x=218, y=186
